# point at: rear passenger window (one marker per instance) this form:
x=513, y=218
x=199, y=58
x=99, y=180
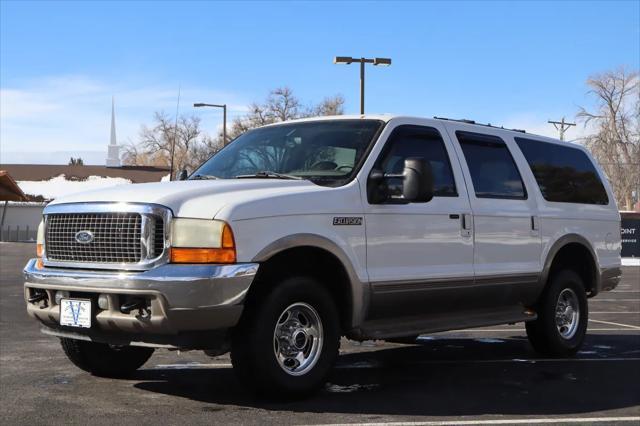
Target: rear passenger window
x=417, y=141
x=564, y=174
x=493, y=172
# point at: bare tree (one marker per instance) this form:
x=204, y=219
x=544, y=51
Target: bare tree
x=616, y=120
x=192, y=146
x=283, y=105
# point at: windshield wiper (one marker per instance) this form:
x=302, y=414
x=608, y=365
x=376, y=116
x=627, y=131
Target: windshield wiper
x=265, y=174
x=204, y=177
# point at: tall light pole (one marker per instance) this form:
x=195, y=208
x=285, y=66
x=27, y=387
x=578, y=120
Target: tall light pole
x=224, y=117
x=347, y=60
x=561, y=126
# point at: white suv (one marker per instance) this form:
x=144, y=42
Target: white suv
x=295, y=234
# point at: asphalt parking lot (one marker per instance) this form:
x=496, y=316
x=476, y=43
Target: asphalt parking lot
x=480, y=376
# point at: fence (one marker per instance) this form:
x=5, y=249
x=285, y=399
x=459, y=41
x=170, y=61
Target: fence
x=17, y=233
x=19, y=221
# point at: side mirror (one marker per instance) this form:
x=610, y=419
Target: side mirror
x=183, y=175
x=417, y=183
x=418, y=180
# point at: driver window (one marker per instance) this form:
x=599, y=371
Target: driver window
x=418, y=141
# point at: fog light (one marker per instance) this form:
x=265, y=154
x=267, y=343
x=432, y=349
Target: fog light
x=103, y=302
x=61, y=295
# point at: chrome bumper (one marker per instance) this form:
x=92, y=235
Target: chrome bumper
x=180, y=297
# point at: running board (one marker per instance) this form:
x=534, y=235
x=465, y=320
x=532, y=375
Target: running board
x=410, y=326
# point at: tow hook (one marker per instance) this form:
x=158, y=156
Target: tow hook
x=38, y=297
x=132, y=305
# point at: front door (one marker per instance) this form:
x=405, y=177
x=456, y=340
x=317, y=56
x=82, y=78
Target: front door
x=417, y=252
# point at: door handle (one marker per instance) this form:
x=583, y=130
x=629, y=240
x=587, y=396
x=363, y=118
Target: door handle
x=466, y=225
x=535, y=226
x=454, y=216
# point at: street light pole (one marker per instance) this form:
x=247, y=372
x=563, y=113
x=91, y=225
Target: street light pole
x=362, y=85
x=384, y=62
x=224, y=117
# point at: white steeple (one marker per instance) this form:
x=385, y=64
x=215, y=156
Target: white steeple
x=113, y=150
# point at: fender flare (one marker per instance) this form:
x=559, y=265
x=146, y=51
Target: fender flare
x=558, y=245
x=359, y=290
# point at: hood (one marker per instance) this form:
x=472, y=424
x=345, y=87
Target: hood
x=191, y=198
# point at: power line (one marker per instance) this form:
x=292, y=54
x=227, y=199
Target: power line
x=561, y=126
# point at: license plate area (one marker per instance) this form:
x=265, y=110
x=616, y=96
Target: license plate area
x=75, y=313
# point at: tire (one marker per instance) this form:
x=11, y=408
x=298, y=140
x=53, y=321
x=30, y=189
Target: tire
x=103, y=360
x=290, y=310
x=564, y=338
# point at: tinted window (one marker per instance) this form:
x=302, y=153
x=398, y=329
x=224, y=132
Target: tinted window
x=564, y=174
x=493, y=171
x=417, y=141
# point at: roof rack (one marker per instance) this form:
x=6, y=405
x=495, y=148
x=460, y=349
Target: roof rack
x=464, y=120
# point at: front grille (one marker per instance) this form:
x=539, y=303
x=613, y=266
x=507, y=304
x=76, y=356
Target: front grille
x=116, y=237
x=158, y=238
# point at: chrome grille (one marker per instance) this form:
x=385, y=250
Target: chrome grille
x=116, y=237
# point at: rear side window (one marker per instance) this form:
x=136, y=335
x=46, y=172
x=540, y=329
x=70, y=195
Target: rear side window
x=493, y=172
x=564, y=174
x=417, y=141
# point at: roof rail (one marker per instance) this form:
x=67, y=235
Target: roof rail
x=464, y=120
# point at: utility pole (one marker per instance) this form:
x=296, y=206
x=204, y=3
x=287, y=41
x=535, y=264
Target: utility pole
x=561, y=126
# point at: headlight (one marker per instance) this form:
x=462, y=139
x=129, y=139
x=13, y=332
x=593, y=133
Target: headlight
x=202, y=241
x=40, y=240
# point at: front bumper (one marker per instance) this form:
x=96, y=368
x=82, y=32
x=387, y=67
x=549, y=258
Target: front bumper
x=180, y=299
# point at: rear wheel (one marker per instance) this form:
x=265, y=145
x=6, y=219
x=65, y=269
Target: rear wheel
x=105, y=360
x=562, y=316
x=288, y=341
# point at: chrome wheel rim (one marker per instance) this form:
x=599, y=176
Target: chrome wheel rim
x=297, y=339
x=567, y=313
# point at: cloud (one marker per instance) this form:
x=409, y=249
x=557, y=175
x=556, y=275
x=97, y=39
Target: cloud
x=72, y=113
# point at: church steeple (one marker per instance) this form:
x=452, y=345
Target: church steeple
x=113, y=150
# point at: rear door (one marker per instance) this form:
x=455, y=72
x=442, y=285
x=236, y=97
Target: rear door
x=507, y=244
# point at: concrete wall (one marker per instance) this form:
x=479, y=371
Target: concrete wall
x=20, y=221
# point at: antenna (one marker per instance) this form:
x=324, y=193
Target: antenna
x=175, y=136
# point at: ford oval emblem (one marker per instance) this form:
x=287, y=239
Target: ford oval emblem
x=84, y=237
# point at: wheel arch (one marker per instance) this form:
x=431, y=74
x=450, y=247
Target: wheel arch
x=319, y=250
x=574, y=250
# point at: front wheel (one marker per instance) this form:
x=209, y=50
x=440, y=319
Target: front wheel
x=288, y=341
x=104, y=360
x=562, y=316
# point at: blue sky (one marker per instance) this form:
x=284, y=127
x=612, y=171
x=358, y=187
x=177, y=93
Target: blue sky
x=510, y=63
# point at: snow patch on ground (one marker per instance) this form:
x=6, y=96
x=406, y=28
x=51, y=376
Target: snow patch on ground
x=59, y=186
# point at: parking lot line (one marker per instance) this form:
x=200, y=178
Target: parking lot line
x=523, y=330
x=502, y=361
x=532, y=421
x=192, y=365
x=614, y=312
x=195, y=366
x=595, y=299
x=635, y=327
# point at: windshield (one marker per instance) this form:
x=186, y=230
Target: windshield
x=326, y=152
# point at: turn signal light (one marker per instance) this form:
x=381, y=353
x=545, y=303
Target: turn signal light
x=202, y=255
x=39, y=250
